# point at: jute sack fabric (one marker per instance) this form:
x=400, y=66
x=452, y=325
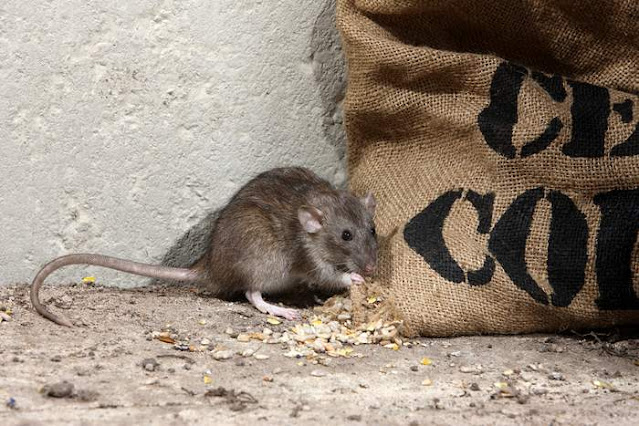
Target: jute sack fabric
x=501, y=139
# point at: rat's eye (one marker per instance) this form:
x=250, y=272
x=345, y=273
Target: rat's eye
x=373, y=233
x=347, y=236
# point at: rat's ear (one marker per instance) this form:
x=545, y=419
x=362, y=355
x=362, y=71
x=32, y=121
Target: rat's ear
x=310, y=218
x=369, y=202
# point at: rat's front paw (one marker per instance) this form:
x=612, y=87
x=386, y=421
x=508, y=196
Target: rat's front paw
x=352, y=278
x=356, y=278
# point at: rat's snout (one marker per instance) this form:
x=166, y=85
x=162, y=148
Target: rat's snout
x=369, y=268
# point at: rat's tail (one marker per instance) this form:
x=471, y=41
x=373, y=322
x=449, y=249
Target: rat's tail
x=152, y=271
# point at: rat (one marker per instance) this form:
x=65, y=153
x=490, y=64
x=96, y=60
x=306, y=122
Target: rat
x=285, y=227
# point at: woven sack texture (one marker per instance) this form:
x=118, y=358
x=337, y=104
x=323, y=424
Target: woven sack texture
x=501, y=140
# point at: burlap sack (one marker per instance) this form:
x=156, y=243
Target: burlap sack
x=501, y=139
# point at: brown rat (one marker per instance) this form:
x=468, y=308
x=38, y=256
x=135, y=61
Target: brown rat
x=284, y=227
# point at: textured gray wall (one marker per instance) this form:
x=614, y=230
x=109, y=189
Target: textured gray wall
x=124, y=125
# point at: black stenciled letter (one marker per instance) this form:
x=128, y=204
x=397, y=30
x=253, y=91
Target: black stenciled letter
x=567, y=246
x=567, y=249
x=615, y=243
x=590, y=110
x=484, y=206
x=554, y=85
x=424, y=234
x=631, y=145
x=496, y=121
x=508, y=242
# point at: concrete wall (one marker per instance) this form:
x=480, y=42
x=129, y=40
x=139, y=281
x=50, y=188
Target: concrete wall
x=124, y=125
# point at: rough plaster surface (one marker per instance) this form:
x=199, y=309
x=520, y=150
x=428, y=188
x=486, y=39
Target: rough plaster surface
x=125, y=125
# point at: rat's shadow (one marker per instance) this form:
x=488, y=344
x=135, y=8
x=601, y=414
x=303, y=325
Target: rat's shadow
x=191, y=246
x=329, y=71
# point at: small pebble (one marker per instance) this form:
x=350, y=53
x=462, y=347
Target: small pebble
x=522, y=398
x=474, y=387
x=535, y=367
x=538, y=391
x=248, y=352
x=355, y=417
x=474, y=369
x=318, y=373
x=150, y=364
x=58, y=390
x=526, y=377
x=552, y=347
x=11, y=402
x=556, y=376
x=414, y=368
x=64, y=302
x=56, y=358
x=243, y=338
x=222, y=355
x=437, y=404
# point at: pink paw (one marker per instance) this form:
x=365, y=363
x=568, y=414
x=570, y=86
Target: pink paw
x=357, y=278
x=287, y=313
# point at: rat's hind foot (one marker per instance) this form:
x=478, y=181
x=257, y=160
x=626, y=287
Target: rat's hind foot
x=288, y=313
x=255, y=297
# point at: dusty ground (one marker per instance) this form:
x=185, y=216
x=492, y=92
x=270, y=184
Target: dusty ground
x=546, y=380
